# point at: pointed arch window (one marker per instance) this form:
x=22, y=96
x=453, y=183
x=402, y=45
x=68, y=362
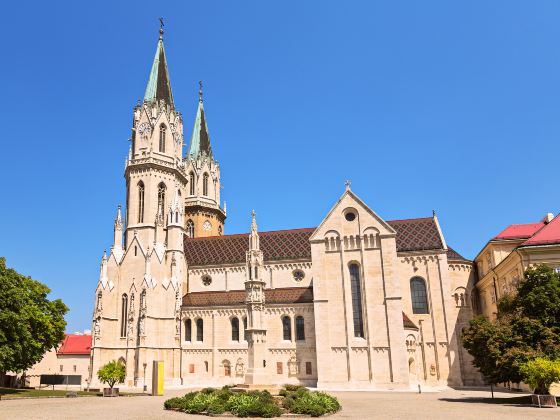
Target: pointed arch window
x=300, y=328
x=235, y=329
x=140, y=202
x=124, y=314
x=199, y=329
x=205, y=185
x=356, y=290
x=245, y=328
x=161, y=197
x=188, y=330
x=162, y=138
x=418, y=296
x=286, y=328
x=190, y=228
x=191, y=182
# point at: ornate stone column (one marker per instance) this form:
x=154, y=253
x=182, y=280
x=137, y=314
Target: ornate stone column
x=255, y=301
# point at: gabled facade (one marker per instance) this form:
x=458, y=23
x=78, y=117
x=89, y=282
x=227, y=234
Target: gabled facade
x=358, y=302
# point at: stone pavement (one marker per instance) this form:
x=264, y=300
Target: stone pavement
x=448, y=404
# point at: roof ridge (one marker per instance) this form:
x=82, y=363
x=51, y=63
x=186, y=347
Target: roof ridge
x=248, y=233
x=410, y=220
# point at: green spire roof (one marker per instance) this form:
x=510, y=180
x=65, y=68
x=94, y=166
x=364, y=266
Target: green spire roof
x=159, y=86
x=200, y=139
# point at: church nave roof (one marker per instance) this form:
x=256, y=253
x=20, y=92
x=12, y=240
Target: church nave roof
x=412, y=235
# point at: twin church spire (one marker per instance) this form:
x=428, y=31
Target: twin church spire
x=158, y=172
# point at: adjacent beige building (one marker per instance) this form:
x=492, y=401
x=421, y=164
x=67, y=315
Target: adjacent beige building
x=358, y=302
x=502, y=262
x=66, y=366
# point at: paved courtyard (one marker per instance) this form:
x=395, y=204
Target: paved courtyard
x=449, y=404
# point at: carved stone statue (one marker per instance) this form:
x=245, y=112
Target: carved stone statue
x=239, y=367
x=293, y=366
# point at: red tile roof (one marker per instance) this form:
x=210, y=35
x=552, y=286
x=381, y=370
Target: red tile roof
x=237, y=297
x=287, y=295
x=75, y=344
x=549, y=234
x=520, y=231
x=412, y=235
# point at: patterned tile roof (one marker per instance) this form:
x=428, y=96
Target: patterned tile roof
x=237, y=297
x=453, y=255
x=231, y=249
x=412, y=235
x=416, y=234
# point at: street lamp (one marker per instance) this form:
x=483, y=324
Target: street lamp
x=145, y=388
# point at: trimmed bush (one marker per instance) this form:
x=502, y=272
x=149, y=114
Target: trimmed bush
x=314, y=404
x=297, y=400
x=173, y=403
x=253, y=404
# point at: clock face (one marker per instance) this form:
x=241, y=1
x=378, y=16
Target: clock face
x=207, y=225
x=144, y=129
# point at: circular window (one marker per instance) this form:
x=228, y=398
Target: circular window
x=207, y=225
x=206, y=280
x=298, y=275
x=350, y=216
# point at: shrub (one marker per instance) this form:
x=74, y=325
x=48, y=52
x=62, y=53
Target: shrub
x=217, y=407
x=253, y=404
x=200, y=403
x=173, y=403
x=314, y=404
x=293, y=388
x=540, y=373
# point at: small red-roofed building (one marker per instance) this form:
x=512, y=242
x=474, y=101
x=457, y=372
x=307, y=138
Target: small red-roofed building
x=66, y=366
x=502, y=261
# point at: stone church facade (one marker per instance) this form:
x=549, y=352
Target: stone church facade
x=358, y=302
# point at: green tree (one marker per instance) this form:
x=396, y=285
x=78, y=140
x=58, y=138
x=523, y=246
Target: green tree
x=527, y=327
x=112, y=373
x=540, y=373
x=30, y=324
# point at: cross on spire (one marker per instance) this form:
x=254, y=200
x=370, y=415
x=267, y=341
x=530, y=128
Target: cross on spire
x=161, y=25
x=200, y=90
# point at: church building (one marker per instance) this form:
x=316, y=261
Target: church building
x=358, y=302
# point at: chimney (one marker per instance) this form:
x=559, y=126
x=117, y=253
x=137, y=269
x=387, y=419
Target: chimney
x=548, y=218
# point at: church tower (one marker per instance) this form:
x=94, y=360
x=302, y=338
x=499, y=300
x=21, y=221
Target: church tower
x=203, y=214
x=155, y=172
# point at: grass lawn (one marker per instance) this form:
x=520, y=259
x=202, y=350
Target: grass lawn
x=19, y=393
x=7, y=393
x=520, y=400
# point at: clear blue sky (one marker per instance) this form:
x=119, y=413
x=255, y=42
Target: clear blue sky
x=452, y=106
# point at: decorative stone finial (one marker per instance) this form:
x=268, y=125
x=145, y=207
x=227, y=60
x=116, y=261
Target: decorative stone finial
x=253, y=221
x=200, y=90
x=433, y=213
x=347, y=183
x=161, y=28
